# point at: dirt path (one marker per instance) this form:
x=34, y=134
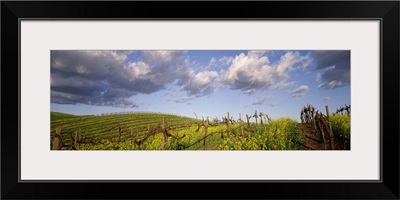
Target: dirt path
x=313, y=141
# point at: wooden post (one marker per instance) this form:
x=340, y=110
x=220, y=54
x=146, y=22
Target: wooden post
x=57, y=143
x=205, y=133
x=330, y=129
x=314, y=116
x=76, y=140
x=347, y=110
x=165, y=136
x=228, y=126
x=255, y=116
x=321, y=129
x=301, y=116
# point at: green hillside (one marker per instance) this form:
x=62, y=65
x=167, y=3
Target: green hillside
x=59, y=115
x=106, y=126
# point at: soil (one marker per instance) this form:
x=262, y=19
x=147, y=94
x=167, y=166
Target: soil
x=313, y=140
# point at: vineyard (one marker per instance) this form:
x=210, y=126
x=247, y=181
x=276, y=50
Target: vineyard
x=160, y=131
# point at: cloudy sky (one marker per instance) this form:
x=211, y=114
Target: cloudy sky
x=207, y=82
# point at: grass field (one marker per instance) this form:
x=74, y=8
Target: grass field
x=113, y=132
x=145, y=131
x=104, y=127
x=58, y=115
x=341, y=129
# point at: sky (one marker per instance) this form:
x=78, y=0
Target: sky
x=209, y=83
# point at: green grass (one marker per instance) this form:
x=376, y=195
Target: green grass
x=189, y=142
x=59, y=115
x=341, y=130
x=341, y=125
x=104, y=127
x=279, y=134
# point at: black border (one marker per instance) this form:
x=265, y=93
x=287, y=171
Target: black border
x=386, y=11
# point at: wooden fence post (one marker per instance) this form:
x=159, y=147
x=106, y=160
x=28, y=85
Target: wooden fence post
x=76, y=140
x=57, y=143
x=313, y=120
x=330, y=129
x=321, y=129
x=348, y=110
x=205, y=133
x=301, y=116
x=228, y=126
x=255, y=116
x=240, y=123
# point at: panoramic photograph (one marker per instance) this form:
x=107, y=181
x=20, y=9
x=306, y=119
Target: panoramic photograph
x=200, y=100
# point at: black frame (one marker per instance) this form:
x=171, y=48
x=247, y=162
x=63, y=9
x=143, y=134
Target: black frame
x=386, y=11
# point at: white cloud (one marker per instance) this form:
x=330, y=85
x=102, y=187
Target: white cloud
x=201, y=83
x=252, y=72
x=97, y=77
x=106, y=78
x=184, y=100
x=119, y=55
x=300, y=91
x=250, y=91
x=290, y=59
x=331, y=84
x=261, y=100
x=137, y=69
x=330, y=68
x=226, y=60
x=281, y=85
x=248, y=72
x=203, y=78
x=211, y=63
x=257, y=53
x=221, y=62
x=335, y=67
x=334, y=84
x=316, y=78
x=306, y=62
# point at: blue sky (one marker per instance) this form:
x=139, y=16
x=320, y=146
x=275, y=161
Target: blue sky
x=206, y=82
